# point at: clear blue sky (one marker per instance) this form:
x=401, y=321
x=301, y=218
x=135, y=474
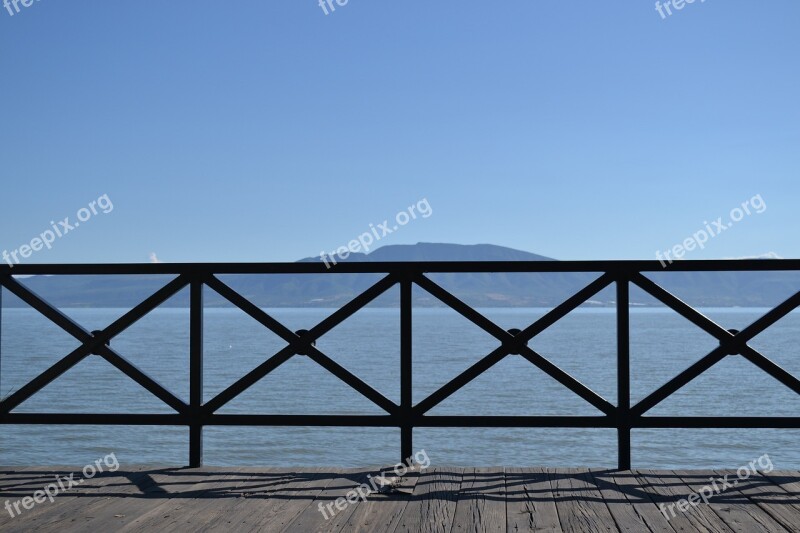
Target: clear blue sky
x=268, y=131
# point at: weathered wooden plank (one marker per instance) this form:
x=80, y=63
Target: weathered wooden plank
x=788, y=481
x=25, y=482
x=667, y=489
x=481, y=502
x=580, y=505
x=319, y=514
x=623, y=514
x=641, y=501
x=382, y=512
x=165, y=489
x=17, y=477
x=19, y=482
x=731, y=506
x=530, y=504
x=775, y=501
x=270, y=502
x=433, y=505
x=632, y=509
x=198, y=504
x=80, y=498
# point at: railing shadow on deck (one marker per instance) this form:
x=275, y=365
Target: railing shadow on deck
x=156, y=484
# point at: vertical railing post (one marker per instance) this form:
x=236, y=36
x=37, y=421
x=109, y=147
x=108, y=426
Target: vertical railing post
x=623, y=373
x=1, y=341
x=196, y=372
x=406, y=424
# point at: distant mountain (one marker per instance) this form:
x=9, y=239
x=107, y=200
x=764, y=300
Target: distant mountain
x=710, y=289
x=427, y=251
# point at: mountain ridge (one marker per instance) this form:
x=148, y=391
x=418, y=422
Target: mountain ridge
x=502, y=289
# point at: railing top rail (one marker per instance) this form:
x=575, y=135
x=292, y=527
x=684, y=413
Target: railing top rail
x=621, y=266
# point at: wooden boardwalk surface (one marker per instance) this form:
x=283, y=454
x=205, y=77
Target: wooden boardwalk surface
x=447, y=499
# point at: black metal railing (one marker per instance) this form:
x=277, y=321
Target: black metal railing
x=406, y=415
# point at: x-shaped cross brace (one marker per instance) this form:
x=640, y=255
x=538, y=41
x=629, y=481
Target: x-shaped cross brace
x=730, y=343
x=514, y=344
x=92, y=343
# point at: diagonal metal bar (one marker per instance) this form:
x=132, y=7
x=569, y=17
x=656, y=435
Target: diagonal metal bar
x=74, y=358
x=248, y=380
x=114, y=329
x=350, y=308
x=513, y=343
x=771, y=368
x=354, y=381
x=717, y=331
x=139, y=311
x=772, y=316
x=255, y=312
x=568, y=381
x=695, y=316
x=90, y=342
x=43, y=379
x=155, y=388
x=679, y=306
x=462, y=379
x=51, y=313
x=297, y=343
x=715, y=356
x=336, y=318
x=737, y=342
x=563, y=309
x=462, y=308
x=506, y=338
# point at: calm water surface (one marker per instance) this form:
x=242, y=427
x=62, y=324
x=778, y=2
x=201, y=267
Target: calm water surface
x=583, y=344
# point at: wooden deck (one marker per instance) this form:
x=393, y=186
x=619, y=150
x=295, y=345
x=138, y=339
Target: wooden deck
x=436, y=499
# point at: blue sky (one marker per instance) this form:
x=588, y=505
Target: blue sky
x=269, y=131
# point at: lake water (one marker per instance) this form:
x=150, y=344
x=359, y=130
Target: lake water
x=583, y=344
